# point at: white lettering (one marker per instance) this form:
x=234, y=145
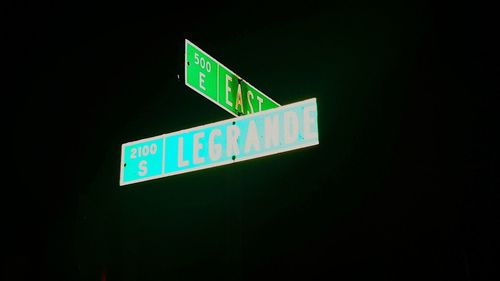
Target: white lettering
x=214, y=150
x=180, y=161
x=252, y=137
x=309, y=121
x=291, y=126
x=202, y=80
x=228, y=89
x=196, y=148
x=232, y=132
x=260, y=103
x=143, y=169
x=239, y=99
x=271, y=131
x=249, y=94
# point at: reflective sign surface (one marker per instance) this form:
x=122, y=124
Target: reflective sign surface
x=281, y=129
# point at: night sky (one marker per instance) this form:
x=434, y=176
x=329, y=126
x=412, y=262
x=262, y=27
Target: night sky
x=402, y=186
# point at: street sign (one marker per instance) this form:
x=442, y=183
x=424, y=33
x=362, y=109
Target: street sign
x=238, y=139
x=214, y=81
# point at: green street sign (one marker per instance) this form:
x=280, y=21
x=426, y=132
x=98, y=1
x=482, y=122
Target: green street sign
x=214, y=81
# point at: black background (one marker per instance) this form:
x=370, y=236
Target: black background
x=403, y=185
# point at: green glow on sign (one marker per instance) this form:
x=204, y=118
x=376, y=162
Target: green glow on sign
x=217, y=83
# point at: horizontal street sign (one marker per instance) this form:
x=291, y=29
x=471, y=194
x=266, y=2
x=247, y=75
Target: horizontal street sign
x=217, y=83
x=269, y=132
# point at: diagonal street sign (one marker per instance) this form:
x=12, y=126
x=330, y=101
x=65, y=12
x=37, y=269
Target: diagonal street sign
x=214, y=81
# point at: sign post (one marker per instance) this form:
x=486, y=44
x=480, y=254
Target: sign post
x=214, y=81
x=265, y=133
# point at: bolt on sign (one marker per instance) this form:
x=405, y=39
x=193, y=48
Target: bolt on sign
x=269, y=132
x=214, y=81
